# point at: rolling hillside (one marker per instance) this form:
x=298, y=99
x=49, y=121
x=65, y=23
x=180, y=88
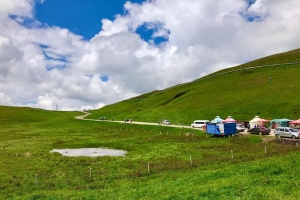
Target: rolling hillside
x=268, y=87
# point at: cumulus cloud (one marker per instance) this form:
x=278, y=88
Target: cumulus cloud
x=52, y=68
x=5, y=100
x=20, y=8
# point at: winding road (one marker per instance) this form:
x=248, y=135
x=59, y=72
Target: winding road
x=82, y=117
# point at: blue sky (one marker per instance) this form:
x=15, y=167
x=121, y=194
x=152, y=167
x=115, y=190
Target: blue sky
x=82, y=17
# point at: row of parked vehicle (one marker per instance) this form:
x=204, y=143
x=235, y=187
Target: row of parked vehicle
x=278, y=132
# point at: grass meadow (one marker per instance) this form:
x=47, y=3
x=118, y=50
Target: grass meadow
x=161, y=163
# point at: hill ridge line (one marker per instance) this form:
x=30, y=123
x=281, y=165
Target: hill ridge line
x=241, y=69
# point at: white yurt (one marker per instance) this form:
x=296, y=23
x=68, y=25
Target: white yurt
x=253, y=122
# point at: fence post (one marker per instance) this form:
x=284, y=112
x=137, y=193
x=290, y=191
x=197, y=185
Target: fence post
x=36, y=179
x=265, y=150
x=90, y=174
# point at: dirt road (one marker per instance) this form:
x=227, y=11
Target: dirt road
x=82, y=117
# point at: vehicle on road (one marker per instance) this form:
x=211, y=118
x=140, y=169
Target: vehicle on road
x=199, y=123
x=240, y=128
x=166, y=122
x=259, y=130
x=286, y=132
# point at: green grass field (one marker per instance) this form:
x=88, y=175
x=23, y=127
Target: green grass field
x=181, y=165
x=242, y=95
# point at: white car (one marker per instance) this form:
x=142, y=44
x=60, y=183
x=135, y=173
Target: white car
x=199, y=123
x=240, y=128
x=166, y=122
x=287, y=132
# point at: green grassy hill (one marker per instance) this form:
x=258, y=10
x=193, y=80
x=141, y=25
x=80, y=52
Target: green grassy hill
x=162, y=162
x=244, y=93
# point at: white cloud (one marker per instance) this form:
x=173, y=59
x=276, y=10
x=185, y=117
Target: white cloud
x=51, y=67
x=21, y=8
x=5, y=100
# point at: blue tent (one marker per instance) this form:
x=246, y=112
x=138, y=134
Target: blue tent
x=217, y=120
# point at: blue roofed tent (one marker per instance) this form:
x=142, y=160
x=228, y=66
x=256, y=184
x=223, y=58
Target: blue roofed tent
x=216, y=120
x=280, y=123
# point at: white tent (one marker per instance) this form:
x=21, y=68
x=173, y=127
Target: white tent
x=253, y=122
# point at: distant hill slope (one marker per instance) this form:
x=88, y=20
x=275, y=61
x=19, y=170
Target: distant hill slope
x=25, y=116
x=268, y=87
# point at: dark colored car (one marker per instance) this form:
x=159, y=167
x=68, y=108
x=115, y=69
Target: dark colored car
x=260, y=130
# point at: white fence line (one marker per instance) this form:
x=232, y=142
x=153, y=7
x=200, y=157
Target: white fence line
x=246, y=68
x=241, y=69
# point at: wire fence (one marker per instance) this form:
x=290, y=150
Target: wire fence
x=227, y=72
x=235, y=70
x=248, y=68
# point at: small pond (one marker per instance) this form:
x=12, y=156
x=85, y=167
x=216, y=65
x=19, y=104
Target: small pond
x=90, y=152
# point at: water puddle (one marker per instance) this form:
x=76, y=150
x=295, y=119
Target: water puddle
x=90, y=152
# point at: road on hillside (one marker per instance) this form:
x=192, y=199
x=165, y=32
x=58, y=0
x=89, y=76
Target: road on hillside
x=149, y=123
x=133, y=122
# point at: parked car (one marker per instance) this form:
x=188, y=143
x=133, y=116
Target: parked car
x=199, y=123
x=286, y=132
x=240, y=128
x=166, y=122
x=259, y=130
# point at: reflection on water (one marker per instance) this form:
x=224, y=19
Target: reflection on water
x=91, y=152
